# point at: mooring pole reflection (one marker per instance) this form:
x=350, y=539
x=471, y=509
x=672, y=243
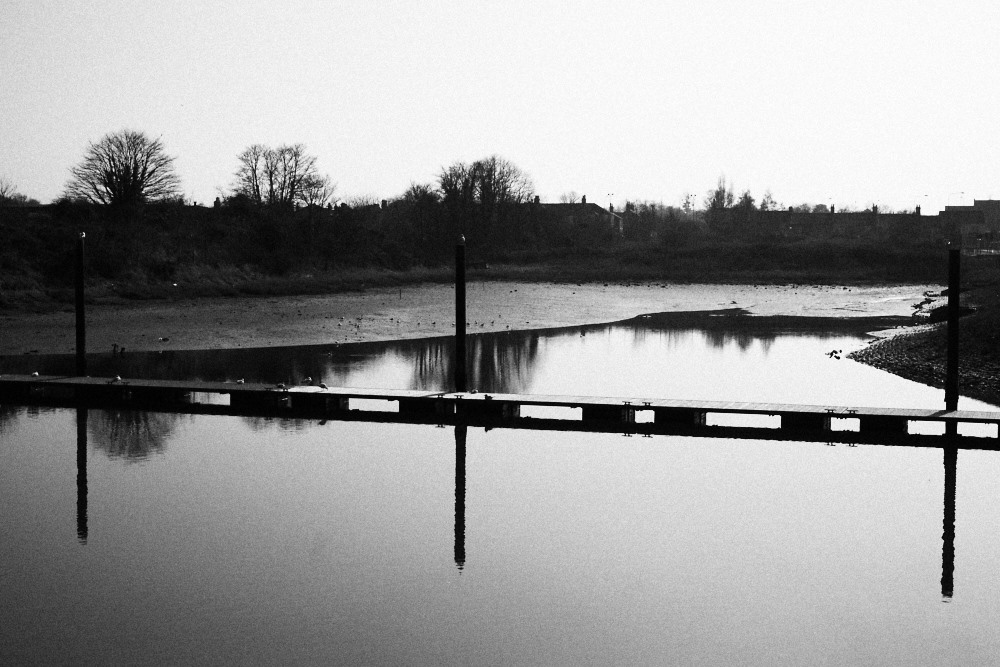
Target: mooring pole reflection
x=461, y=431
x=948, y=535
x=81, y=475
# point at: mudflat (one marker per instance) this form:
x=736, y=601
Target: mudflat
x=418, y=311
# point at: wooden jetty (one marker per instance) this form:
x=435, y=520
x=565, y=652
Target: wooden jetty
x=592, y=413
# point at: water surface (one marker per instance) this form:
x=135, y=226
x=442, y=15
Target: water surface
x=148, y=538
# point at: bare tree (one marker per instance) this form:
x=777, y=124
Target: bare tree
x=318, y=190
x=720, y=197
x=480, y=199
x=767, y=202
x=569, y=197
x=250, y=174
x=7, y=189
x=717, y=201
x=456, y=183
x=500, y=181
x=281, y=176
x=125, y=168
x=688, y=201
x=420, y=194
x=362, y=201
x=9, y=196
x=489, y=182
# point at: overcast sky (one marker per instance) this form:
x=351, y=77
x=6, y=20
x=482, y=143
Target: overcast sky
x=844, y=102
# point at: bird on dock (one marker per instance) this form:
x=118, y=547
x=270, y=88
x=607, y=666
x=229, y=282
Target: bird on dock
x=240, y=381
x=35, y=374
x=322, y=385
x=307, y=379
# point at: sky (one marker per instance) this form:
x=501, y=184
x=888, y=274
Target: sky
x=849, y=103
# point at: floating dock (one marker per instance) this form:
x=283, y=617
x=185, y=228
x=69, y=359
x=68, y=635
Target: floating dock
x=645, y=416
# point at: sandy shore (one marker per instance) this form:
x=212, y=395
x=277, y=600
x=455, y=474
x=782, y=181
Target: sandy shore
x=420, y=311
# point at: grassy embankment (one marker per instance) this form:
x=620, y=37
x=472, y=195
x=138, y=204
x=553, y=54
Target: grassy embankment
x=185, y=252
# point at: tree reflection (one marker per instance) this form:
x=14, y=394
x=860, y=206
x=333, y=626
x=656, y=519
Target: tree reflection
x=7, y=413
x=131, y=434
x=504, y=362
x=500, y=362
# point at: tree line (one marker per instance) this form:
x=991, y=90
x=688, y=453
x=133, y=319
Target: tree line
x=485, y=200
x=129, y=168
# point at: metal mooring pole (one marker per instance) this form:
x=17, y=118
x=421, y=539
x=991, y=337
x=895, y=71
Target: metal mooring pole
x=81, y=320
x=951, y=377
x=460, y=379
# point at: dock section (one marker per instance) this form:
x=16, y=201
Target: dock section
x=646, y=416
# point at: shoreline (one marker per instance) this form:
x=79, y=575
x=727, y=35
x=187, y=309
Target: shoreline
x=420, y=311
x=916, y=352
x=921, y=355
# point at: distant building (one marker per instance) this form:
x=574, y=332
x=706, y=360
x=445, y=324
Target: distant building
x=977, y=225
x=584, y=222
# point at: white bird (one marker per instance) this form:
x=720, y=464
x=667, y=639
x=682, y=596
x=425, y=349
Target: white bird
x=240, y=381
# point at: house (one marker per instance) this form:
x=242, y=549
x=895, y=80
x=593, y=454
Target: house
x=978, y=225
x=582, y=222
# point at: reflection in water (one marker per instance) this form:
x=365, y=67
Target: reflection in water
x=81, y=475
x=130, y=434
x=461, y=431
x=948, y=536
x=133, y=435
x=498, y=362
x=7, y=413
x=504, y=362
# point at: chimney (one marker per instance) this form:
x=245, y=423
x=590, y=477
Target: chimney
x=384, y=203
x=538, y=199
x=583, y=199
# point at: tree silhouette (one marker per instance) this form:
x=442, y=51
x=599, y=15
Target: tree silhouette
x=282, y=176
x=125, y=168
x=9, y=196
x=481, y=198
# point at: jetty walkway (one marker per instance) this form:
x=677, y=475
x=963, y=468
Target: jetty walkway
x=629, y=416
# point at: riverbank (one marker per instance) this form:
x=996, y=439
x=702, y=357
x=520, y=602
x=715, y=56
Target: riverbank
x=417, y=311
x=920, y=354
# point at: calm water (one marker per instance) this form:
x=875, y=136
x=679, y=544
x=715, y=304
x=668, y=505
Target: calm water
x=180, y=539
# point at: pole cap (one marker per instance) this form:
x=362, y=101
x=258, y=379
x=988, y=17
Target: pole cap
x=83, y=235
